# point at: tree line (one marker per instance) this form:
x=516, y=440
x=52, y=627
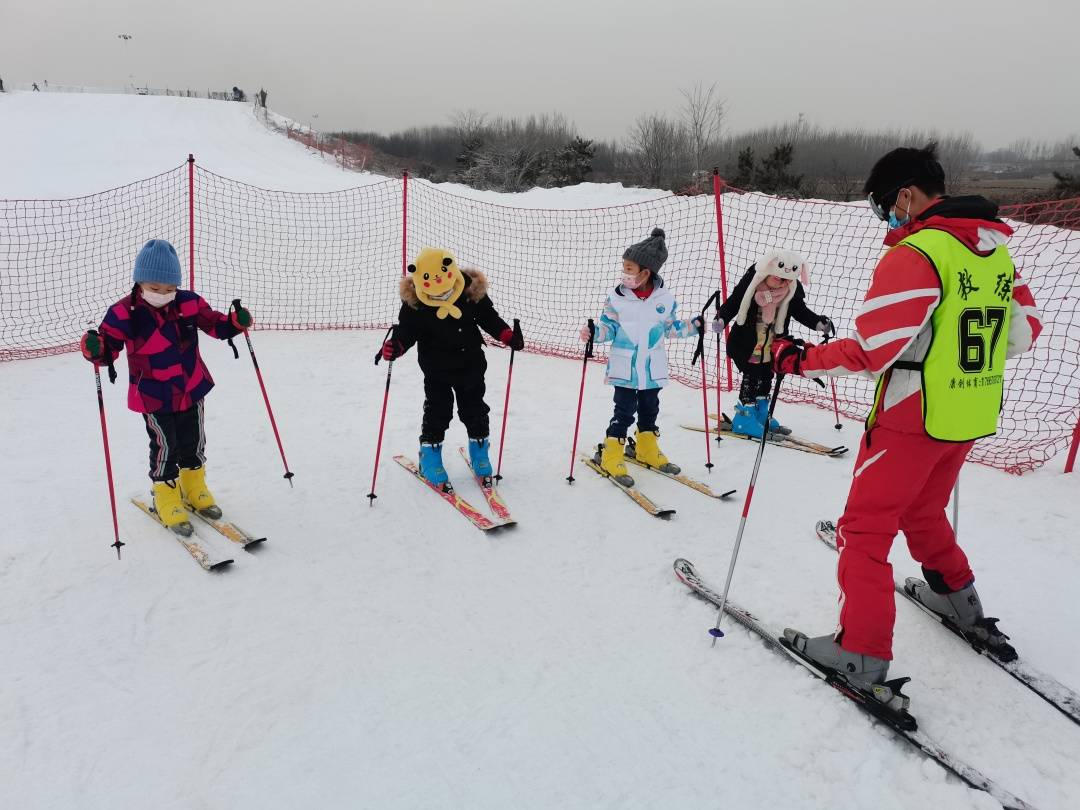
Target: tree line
x=678, y=152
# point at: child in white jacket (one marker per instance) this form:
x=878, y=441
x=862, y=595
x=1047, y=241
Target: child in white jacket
x=638, y=315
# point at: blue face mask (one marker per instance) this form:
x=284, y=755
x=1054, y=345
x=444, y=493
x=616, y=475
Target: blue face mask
x=895, y=222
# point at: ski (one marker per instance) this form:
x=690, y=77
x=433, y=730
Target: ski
x=475, y=516
x=207, y=558
x=790, y=442
x=633, y=493
x=688, y=575
x=1061, y=697
x=229, y=530
x=495, y=502
x=693, y=483
x=784, y=434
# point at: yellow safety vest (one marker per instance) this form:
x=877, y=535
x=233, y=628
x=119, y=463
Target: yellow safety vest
x=963, y=371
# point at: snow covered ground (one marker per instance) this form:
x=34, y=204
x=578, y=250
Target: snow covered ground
x=395, y=657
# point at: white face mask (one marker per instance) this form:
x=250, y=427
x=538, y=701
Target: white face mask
x=158, y=300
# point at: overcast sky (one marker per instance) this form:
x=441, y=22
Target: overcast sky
x=1001, y=71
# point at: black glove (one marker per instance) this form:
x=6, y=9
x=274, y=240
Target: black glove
x=826, y=328
x=92, y=346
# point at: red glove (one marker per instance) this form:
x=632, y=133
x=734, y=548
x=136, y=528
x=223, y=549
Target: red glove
x=392, y=349
x=515, y=342
x=788, y=355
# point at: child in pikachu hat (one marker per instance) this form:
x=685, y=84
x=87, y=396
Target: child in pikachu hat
x=442, y=306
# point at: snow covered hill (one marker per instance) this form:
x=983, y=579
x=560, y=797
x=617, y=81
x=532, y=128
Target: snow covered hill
x=59, y=145
x=392, y=656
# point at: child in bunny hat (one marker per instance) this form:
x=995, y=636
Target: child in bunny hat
x=767, y=297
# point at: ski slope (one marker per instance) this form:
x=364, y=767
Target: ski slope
x=59, y=145
x=395, y=657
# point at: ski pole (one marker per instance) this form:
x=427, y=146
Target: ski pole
x=506, y=402
x=835, y=403
x=270, y=411
x=716, y=632
x=699, y=352
x=719, y=409
x=382, y=419
x=108, y=459
x=581, y=395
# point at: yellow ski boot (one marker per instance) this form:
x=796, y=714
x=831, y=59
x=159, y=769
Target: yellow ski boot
x=612, y=461
x=170, y=507
x=196, y=495
x=647, y=451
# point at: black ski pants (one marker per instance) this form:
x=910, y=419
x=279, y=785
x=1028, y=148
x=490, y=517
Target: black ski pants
x=441, y=385
x=176, y=440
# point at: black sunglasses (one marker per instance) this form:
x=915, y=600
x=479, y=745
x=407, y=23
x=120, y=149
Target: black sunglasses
x=888, y=200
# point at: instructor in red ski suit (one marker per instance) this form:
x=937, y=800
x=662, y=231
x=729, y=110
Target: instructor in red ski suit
x=944, y=310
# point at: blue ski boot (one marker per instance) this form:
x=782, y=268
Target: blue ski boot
x=746, y=421
x=762, y=405
x=478, y=457
x=431, y=466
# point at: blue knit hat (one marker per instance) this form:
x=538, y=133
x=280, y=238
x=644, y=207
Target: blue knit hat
x=157, y=263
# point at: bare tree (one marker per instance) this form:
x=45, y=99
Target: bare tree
x=658, y=151
x=702, y=117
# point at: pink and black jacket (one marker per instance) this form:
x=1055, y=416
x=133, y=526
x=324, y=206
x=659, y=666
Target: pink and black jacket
x=166, y=373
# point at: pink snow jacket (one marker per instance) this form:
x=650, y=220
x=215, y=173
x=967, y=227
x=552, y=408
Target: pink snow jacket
x=166, y=373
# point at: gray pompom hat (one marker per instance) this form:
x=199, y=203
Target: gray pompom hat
x=652, y=253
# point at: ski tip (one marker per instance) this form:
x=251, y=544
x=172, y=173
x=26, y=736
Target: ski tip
x=665, y=514
x=220, y=564
x=728, y=494
x=716, y=632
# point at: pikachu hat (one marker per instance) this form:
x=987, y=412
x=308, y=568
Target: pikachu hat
x=438, y=281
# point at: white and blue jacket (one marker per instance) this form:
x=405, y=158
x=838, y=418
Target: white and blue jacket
x=636, y=329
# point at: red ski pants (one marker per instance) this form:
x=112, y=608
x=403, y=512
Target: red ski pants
x=902, y=481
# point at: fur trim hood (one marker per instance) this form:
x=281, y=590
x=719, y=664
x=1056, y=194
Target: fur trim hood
x=475, y=287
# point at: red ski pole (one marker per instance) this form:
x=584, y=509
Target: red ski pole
x=581, y=395
x=270, y=411
x=506, y=402
x=835, y=405
x=382, y=419
x=108, y=459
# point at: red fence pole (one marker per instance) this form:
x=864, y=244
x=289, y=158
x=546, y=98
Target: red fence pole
x=404, y=221
x=1072, y=450
x=717, y=185
x=191, y=220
